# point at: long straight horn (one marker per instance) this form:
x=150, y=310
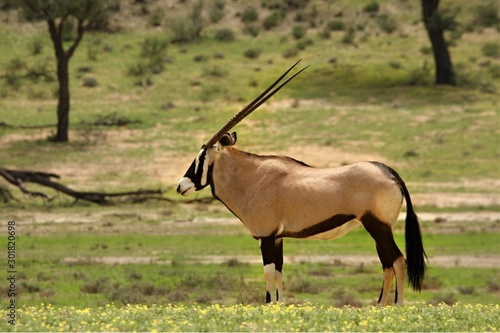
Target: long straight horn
x=263, y=97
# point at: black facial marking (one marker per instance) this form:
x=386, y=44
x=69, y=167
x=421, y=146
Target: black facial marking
x=387, y=249
x=195, y=173
x=323, y=226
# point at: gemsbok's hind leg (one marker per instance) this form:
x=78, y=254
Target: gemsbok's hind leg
x=400, y=270
x=386, y=287
x=390, y=256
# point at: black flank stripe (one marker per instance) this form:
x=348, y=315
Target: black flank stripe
x=324, y=226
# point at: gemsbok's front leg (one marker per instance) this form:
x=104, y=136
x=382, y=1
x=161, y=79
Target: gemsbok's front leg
x=278, y=273
x=268, y=249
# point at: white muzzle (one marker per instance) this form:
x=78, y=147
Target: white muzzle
x=185, y=186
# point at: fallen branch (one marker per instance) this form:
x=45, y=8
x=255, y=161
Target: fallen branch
x=4, y=124
x=19, y=177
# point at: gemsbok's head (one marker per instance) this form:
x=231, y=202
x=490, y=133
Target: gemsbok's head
x=197, y=176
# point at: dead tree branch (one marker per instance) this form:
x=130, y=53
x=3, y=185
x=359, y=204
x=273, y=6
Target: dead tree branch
x=18, y=178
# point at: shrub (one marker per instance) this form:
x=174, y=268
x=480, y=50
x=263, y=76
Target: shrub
x=217, y=11
x=387, y=23
x=491, y=50
x=153, y=47
x=272, y=20
x=395, y=64
x=188, y=28
x=90, y=82
x=325, y=33
x=156, y=17
x=224, y=35
x=252, y=53
x=290, y=52
x=249, y=15
x=371, y=8
x=137, y=69
x=486, y=15
x=336, y=25
x=302, y=44
x=215, y=71
x=349, y=36
x=251, y=30
x=36, y=46
x=200, y=58
x=84, y=69
x=298, y=32
x=426, y=50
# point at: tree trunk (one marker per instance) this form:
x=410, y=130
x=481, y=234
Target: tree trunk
x=442, y=59
x=63, y=100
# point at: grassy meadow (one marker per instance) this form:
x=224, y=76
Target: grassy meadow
x=188, y=265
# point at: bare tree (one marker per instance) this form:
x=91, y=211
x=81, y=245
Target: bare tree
x=57, y=13
x=435, y=25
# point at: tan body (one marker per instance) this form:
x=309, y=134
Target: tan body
x=278, y=195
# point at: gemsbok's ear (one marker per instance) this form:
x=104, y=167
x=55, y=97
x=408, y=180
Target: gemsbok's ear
x=228, y=139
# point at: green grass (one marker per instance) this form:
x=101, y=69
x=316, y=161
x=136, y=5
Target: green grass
x=307, y=317
x=170, y=267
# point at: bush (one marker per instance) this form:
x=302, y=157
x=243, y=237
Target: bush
x=491, y=50
x=90, y=82
x=349, y=36
x=156, y=17
x=36, y=46
x=371, y=8
x=249, y=15
x=137, y=69
x=224, y=35
x=188, y=28
x=299, y=31
x=217, y=11
x=302, y=44
x=426, y=50
x=251, y=30
x=272, y=20
x=252, y=53
x=486, y=15
x=336, y=25
x=387, y=23
x=153, y=47
x=215, y=71
x=291, y=52
x=325, y=33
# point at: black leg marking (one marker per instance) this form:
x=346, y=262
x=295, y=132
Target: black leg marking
x=387, y=249
x=277, y=295
x=268, y=250
x=396, y=297
x=278, y=247
x=381, y=293
x=268, y=297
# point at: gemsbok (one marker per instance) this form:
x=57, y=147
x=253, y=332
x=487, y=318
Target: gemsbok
x=277, y=197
